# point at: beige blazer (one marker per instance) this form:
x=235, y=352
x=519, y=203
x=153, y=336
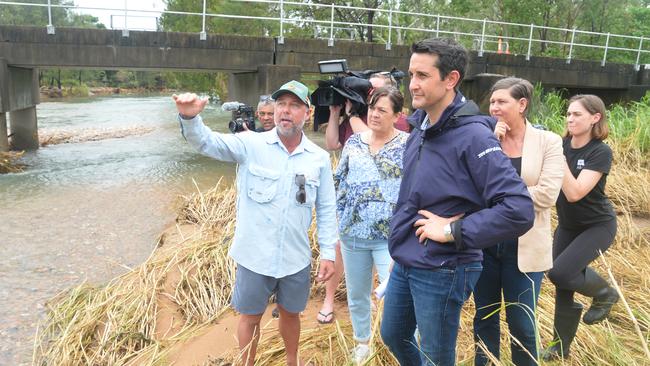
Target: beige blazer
x=542, y=169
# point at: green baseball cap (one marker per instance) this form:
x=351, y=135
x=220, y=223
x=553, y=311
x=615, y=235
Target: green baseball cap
x=296, y=88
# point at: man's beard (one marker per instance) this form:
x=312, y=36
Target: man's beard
x=292, y=131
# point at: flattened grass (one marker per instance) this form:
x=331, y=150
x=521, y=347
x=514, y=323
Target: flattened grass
x=115, y=324
x=9, y=163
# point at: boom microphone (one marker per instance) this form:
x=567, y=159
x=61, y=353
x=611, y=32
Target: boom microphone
x=231, y=106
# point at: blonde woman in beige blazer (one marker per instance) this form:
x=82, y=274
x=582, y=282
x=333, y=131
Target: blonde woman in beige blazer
x=515, y=268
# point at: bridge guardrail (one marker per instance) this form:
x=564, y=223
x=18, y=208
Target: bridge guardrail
x=480, y=33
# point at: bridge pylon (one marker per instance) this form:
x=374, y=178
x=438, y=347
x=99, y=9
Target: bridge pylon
x=19, y=95
x=246, y=87
x=4, y=140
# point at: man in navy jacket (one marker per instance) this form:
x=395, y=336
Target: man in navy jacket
x=459, y=194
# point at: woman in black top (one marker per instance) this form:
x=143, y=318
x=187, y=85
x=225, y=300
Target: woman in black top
x=586, y=223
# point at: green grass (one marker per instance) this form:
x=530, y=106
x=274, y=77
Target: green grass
x=628, y=123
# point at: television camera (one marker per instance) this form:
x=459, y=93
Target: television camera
x=242, y=114
x=342, y=86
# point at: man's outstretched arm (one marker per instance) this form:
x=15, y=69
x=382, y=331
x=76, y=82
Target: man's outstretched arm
x=216, y=145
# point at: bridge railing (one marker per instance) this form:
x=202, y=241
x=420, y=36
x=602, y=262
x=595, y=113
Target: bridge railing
x=393, y=25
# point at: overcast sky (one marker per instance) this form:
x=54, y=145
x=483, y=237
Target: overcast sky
x=136, y=20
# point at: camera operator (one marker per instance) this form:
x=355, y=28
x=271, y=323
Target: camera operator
x=264, y=114
x=341, y=127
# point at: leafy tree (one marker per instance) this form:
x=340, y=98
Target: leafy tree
x=31, y=15
x=355, y=16
x=640, y=21
x=184, y=23
x=61, y=17
x=206, y=82
x=38, y=15
x=599, y=16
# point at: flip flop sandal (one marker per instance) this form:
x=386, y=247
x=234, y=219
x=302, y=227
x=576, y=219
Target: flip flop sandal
x=329, y=315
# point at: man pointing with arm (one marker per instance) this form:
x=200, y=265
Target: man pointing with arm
x=281, y=176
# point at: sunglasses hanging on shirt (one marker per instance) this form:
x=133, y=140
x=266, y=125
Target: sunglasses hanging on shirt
x=301, y=195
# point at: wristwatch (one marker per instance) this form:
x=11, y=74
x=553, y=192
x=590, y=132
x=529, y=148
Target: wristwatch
x=446, y=231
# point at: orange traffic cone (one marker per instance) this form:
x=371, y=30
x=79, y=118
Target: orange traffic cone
x=499, y=43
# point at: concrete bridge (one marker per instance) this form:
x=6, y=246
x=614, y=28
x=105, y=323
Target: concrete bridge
x=257, y=66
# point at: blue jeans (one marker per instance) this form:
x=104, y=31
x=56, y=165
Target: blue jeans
x=359, y=255
x=520, y=292
x=430, y=299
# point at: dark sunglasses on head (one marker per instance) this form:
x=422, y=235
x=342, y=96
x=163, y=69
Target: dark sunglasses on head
x=264, y=98
x=301, y=195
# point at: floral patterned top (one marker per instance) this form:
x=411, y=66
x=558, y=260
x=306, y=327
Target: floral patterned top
x=368, y=186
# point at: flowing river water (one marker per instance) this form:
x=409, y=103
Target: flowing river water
x=89, y=211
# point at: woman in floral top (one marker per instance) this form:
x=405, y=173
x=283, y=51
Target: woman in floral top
x=368, y=178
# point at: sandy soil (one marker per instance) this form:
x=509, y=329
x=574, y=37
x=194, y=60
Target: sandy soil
x=217, y=340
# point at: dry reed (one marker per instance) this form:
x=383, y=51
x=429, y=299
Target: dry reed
x=8, y=162
x=627, y=183
x=115, y=324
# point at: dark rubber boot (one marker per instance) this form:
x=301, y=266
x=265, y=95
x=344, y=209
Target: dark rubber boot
x=604, y=297
x=565, y=323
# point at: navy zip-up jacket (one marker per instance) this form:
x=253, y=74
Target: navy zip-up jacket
x=456, y=166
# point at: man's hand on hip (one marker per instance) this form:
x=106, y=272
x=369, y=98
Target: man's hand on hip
x=326, y=270
x=189, y=104
x=431, y=227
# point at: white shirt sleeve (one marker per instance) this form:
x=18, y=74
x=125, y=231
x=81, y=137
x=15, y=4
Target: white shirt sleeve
x=220, y=146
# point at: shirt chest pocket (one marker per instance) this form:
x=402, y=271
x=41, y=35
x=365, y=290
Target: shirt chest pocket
x=312, y=182
x=262, y=183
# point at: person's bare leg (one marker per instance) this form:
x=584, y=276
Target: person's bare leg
x=326, y=313
x=289, y=326
x=248, y=334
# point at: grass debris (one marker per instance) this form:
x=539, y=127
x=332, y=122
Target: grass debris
x=191, y=276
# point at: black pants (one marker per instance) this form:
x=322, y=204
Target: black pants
x=573, y=250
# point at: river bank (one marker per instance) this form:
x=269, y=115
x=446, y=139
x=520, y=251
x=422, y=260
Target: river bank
x=174, y=307
x=215, y=342
x=81, y=223
x=92, y=206
x=190, y=275
x=88, y=211
x=76, y=91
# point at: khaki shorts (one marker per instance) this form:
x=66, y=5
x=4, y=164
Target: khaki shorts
x=253, y=290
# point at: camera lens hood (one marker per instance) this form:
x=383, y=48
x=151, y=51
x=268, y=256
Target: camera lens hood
x=354, y=88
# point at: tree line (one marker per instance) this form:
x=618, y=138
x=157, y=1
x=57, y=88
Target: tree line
x=629, y=17
x=626, y=17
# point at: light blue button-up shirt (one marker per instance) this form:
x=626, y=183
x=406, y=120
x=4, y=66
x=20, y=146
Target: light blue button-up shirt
x=271, y=231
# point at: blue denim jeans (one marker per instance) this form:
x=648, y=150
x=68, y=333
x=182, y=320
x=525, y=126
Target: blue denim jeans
x=359, y=255
x=520, y=292
x=430, y=299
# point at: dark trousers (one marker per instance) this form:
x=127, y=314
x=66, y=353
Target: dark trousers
x=573, y=250
x=520, y=292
